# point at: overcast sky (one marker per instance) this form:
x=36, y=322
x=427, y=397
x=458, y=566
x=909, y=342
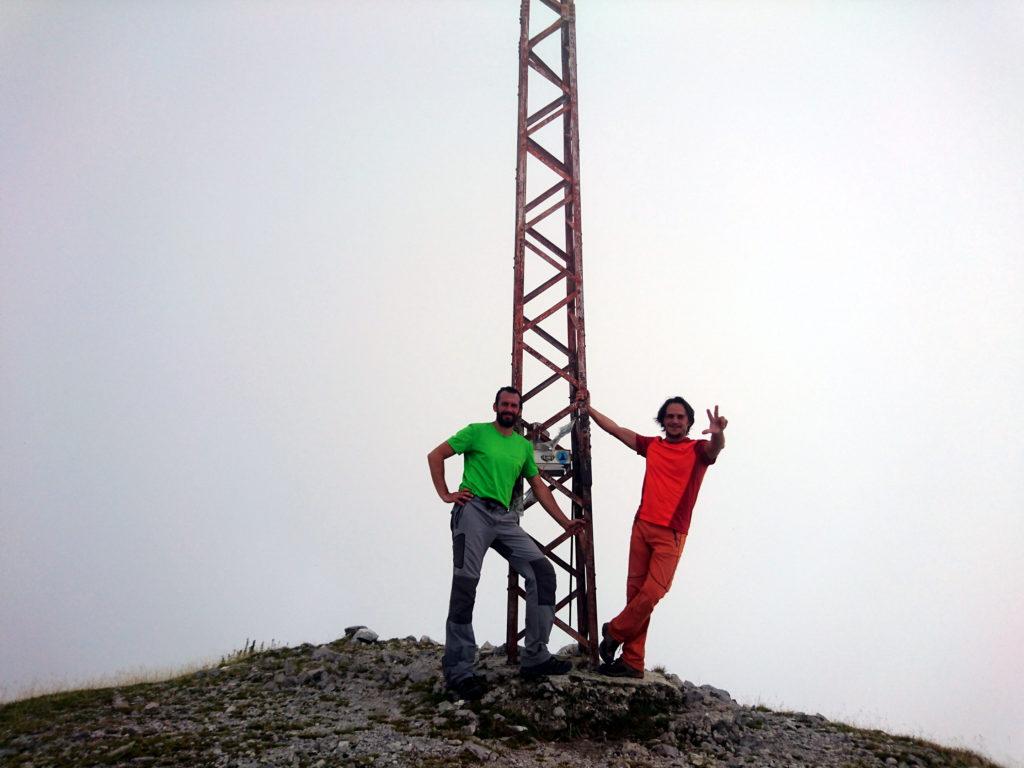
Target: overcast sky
x=256, y=261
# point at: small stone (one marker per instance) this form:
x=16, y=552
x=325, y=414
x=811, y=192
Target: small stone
x=326, y=654
x=490, y=697
x=478, y=752
x=312, y=675
x=558, y=713
x=365, y=635
x=122, y=750
x=666, y=750
x=151, y=706
x=674, y=680
x=420, y=671
x=716, y=693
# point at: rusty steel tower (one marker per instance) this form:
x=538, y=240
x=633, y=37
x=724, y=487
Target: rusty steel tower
x=548, y=339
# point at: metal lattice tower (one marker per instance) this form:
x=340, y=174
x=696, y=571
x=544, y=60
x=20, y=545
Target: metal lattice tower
x=548, y=340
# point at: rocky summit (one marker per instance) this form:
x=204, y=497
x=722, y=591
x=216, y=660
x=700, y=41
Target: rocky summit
x=360, y=701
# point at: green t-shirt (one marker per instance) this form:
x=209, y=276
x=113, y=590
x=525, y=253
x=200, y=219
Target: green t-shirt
x=493, y=461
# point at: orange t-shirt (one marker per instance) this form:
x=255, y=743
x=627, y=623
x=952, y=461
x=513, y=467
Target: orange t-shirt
x=673, y=478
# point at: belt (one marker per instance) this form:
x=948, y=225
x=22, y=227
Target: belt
x=492, y=503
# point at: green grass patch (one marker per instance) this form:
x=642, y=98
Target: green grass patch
x=38, y=714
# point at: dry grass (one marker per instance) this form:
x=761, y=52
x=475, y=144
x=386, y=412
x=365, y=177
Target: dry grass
x=129, y=677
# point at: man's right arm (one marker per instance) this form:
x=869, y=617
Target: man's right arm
x=627, y=436
x=436, y=459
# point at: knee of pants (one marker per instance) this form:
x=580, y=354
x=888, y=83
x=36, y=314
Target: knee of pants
x=544, y=573
x=460, y=606
x=653, y=591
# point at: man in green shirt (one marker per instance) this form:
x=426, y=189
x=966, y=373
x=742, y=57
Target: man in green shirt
x=495, y=457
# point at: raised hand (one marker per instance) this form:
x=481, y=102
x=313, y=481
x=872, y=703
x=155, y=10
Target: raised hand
x=716, y=423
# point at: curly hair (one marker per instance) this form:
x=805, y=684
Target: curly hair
x=660, y=418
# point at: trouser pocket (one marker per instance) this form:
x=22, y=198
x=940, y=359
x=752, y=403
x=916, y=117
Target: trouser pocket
x=459, y=550
x=456, y=516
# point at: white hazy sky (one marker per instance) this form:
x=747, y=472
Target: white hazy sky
x=256, y=260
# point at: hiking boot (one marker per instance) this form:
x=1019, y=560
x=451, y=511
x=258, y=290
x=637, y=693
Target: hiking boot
x=619, y=668
x=553, y=666
x=470, y=688
x=608, y=646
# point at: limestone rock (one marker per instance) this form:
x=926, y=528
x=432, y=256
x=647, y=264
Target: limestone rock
x=366, y=702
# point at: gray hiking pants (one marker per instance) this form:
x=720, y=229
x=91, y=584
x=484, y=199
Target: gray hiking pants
x=477, y=526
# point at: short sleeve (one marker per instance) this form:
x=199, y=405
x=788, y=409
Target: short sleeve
x=642, y=443
x=529, y=466
x=462, y=440
x=702, y=452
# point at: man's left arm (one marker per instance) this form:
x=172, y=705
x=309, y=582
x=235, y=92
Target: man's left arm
x=543, y=494
x=716, y=428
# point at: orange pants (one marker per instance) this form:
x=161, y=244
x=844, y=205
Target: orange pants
x=654, y=552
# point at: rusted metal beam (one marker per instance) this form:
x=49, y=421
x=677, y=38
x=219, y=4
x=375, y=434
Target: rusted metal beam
x=544, y=256
x=549, y=311
x=555, y=26
x=549, y=119
x=557, y=187
x=560, y=247
x=540, y=387
x=547, y=243
x=559, y=8
x=543, y=287
x=548, y=159
x=561, y=101
x=537, y=64
x=551, y=340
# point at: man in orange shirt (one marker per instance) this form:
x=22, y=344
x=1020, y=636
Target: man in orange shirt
x=675, y=469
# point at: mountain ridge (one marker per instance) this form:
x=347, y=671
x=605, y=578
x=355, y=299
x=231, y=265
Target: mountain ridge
x=360, y=701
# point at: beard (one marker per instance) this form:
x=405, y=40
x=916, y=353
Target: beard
x=507, y=419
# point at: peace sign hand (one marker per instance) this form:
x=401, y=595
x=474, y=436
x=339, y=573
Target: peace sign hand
x=716, y=423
